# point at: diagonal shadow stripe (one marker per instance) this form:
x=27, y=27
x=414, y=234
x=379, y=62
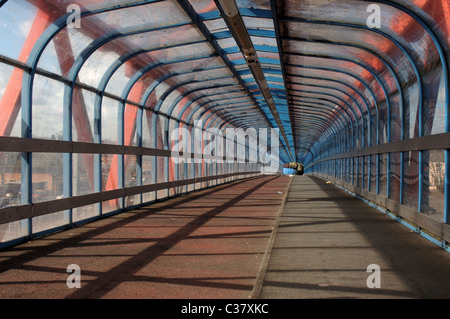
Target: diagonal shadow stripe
x=125, y=271
x=45, y=250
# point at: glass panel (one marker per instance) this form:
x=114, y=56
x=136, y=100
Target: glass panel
x=113, y=22
x=197, y=135
x=13, y=230
x=202, y=75
x=188, y=170
x=439, y=114
x=119, y=79
x=341, y=68
x=216, y=25
x=47, y=108
x=172, y=100
x=258, y=23
x=146, y=44
x=361, y=176
x=147, y=131
x=83, y=183
x=10, y=108
x=344, y=169
x=411, y=182
x=373, y=173
x=174, y=168
x=49, y=221
x=374, y=42
x=434, y=182
x=436, y=11
x=383, y=121
x=83, y=174
x=110, y=181
x=411, y=128
x=349, y=170
x=394, y=178
x=232, y=100
x=256, y=4
x=434, y=109
x=338, y=168
x=130, y=121
x=202, y=6
x=130, y=179
x=47, y=176
x=395, y=125
x=110, y=112
x=203, y=85
x=84, y=213
x=10, y=177
x=161, y=162
x=383, y=176
x=47, y=181
x=162, y=175
x=147, y=176
x=17, y=19
x=83, y=115
x=395, y=22
x=153, y=97
x=95, y=68
x=367, y=177
x=374, y=125
x=186, y=66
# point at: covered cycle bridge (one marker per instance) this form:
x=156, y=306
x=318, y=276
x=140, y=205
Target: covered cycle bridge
x=144, y=142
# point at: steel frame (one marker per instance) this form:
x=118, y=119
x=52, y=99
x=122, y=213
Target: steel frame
x=319, y=129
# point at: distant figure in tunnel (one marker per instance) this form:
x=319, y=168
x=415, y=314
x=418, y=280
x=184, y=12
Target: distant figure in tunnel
x=296, y=166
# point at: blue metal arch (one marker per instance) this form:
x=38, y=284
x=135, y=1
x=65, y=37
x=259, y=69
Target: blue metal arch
x=446, y=71
x=325, y=107
x=366, y=86
x=319, y=120
x=377, y=31
x=317, y=125
x=388, y=66
x=362, y=66
x=314, y=108
x=334, y=96
x=348, y=86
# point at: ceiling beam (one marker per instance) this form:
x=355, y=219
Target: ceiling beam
x=190, y=11
x=230, y=14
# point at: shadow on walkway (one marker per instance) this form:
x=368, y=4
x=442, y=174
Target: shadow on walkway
x=327, y=239
x=207, y=244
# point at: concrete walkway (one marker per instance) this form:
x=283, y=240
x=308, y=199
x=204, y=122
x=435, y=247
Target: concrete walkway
x=326, y=240
x=208, y=244
x=216, y=244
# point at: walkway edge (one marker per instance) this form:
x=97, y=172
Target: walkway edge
x=265, y=261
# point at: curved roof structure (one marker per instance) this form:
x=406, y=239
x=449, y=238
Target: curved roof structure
x=339, y=80
x=307, y=68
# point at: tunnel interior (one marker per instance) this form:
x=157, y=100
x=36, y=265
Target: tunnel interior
x=111, y=105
